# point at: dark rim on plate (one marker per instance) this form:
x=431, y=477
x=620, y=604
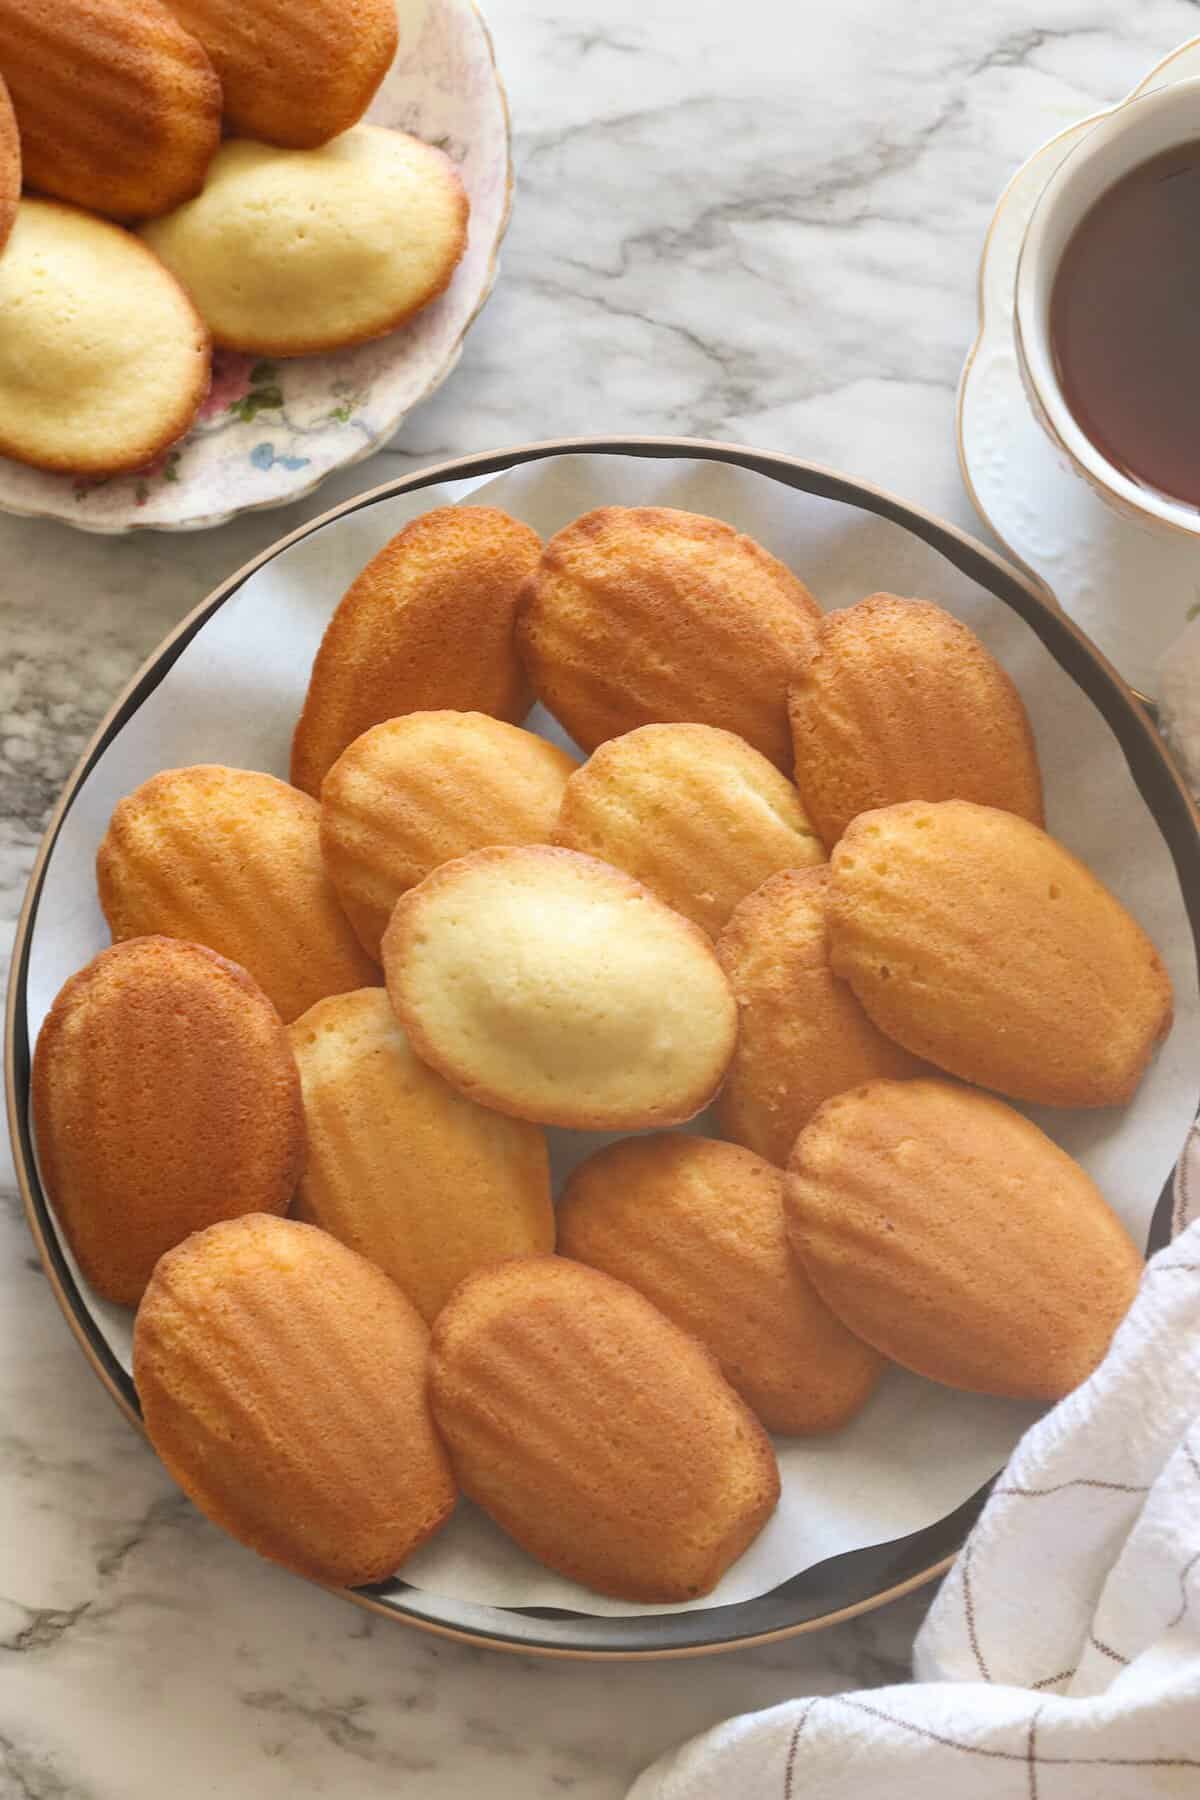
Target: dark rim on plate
x=842, y=1586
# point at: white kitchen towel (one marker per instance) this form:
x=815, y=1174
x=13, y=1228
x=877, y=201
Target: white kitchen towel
x=1061, y=1658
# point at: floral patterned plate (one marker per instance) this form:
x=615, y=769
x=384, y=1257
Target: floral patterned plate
x=272, y=431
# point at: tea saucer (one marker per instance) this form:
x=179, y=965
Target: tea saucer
x=1132, y=589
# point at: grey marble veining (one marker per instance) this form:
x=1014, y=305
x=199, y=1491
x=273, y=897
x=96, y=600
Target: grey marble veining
x=758, y=222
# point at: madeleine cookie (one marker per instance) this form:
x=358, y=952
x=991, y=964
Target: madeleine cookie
x=697, y=1226
x=980, y=943
x=165, y=1098
x=103, y=359
x=118, y=107
x=416, y=791
x=900, y=701
x=802, y=1036
x=10, y=165
x=427, y=626
x=596, y=1433
x=690, y=810
x=282, y=1382
x=420, y=1181
x=640, y=613
x=294, y=74
x=957, y=1238
x=232, y=859
x=555, y=988
x=294, y=252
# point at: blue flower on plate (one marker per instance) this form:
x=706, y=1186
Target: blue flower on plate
x=263, y=457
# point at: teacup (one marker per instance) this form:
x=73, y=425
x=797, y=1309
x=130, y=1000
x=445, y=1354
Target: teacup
x=1119, y=142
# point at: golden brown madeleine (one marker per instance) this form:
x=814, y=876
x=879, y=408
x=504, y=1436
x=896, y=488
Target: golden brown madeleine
x=104, y=361
x=282, y=1380
x=697, y=1226
x=10, y=165
x=901, y=701
x=401, y=1167
x=596, y=1433
x=294, y=74
x=802, y=1036
x=692, y=811
x=416, y=791
x=641, y=613
x=232, y=858
x=356, y=236
x=555, y=988
x=957, y=1238
x=119, y=108
x=980, y=943
x=427, y=625
x=165, y=1097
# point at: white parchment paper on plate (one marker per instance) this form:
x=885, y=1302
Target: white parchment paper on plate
x=918, y=1450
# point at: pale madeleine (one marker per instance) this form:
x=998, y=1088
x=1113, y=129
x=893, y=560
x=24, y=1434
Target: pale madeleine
x=104, y=361
x=556, y=988
x=291, y=252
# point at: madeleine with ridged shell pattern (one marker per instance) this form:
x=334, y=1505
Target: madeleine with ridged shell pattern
x=415, y=792
x=901, y=701
x=401, y=1166
x=10, y=165
x=165, y=1098
x=696, y=813
x=282, y=1380
x=294, y=75
x=802, y=1036
x=602, y=1438
x=697, y=1226
x=554, y=987
x=956, y=1237
x=119, y=108
x=232, y=859
x=644, y=614
x=427, y=626
x=980, y=943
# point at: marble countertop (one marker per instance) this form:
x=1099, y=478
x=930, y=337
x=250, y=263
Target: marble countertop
x=758, y=222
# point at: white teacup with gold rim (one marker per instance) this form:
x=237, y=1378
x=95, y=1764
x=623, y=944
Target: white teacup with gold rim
x=1104, y=296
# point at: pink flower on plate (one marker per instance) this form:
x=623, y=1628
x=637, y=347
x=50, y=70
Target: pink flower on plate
x=231, y=382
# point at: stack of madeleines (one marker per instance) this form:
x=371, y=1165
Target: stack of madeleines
x=145, y=240
x=801, y=874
